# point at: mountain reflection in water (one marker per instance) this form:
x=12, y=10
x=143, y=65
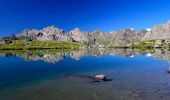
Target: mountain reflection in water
x=132, y=74
x=53, y=56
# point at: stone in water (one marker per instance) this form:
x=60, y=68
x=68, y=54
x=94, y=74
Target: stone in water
x=100, y=77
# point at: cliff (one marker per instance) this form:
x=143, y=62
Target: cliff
x=97, y=38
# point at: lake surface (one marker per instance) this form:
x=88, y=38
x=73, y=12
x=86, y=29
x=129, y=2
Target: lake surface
x=68, y=75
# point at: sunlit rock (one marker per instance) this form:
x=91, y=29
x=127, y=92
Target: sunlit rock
x=78, y=36
x=100, y=77
x=158, y=32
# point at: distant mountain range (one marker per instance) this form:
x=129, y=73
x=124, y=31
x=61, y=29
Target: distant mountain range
x=116, y=38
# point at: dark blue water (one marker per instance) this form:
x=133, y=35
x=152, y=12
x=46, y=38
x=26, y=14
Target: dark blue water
x=65, y=76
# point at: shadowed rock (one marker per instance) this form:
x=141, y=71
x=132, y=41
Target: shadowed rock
x=168, y=71
x=85, y=79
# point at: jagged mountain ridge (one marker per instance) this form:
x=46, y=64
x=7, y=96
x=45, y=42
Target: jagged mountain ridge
x=98, y=37
x=158, y=32
x=116, y=38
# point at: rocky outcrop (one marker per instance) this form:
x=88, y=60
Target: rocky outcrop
x=78, y=36
x=53, y=33
x=117, y=38
x=28, y=34
x=158, y=32
x=124, y=37
x=98, y=38
x=49, y=33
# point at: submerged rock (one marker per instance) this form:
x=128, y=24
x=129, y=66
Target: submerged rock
x=87, y=79
x=79, y=78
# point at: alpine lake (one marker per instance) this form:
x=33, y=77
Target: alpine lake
x=131, y=74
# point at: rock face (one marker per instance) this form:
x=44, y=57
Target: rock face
x=124, y=37
x=28, y=34
x=119, y=38
x=98, y=38
x=158, y=32
x=49, y=33
x=53, y=33
x=78, y=36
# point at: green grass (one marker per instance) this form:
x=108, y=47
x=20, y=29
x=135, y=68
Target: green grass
x=32, y=45
x=139, y=44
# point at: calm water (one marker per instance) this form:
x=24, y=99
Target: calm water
x=56, y=75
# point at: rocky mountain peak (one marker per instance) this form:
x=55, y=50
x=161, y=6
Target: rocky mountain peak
x=129, y=30
x=75, y=31
x=77, y=35
x=52, y=30
x=117, y=38
x=98, y=32
x=28, y=33
x=158, y=32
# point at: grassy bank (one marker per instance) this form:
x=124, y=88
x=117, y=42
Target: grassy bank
x=33, y=45
x=139, y=45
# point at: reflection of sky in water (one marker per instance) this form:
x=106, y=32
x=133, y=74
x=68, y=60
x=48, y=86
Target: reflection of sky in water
x=126, y=72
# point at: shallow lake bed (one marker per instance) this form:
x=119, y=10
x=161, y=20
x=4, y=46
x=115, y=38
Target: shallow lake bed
x=61, y=76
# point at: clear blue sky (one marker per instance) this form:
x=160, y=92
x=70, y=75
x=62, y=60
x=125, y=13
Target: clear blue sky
x=88, y=15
